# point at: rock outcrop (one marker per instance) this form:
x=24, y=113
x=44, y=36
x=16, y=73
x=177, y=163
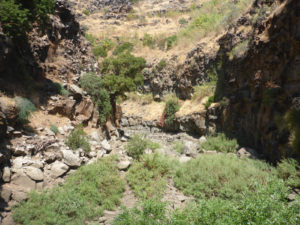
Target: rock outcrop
x=58, y=52
x=261, y=78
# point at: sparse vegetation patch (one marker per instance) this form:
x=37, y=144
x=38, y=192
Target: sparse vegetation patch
x=84, y=196
x=25, y=108
x=78, y=139
x=220, y=143
x=148, y=177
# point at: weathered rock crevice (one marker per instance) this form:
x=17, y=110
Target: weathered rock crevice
x=263, y=82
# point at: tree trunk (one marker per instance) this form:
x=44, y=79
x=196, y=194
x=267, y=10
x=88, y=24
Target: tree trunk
x=113, y=102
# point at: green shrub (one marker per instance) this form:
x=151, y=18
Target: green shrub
x=25, y=108
x=43, y=8
x=78, y=139
x=162, y=64
x=54, y=129
x=148, y=177
x=14, y=19
x=59, y=88
x=122, y=74
x=90, y=38
x=172, y=106
x=201, y=91
x=108, y=44
x=137, y=146
x=171, y=41
x=84, y=196
x=86, y=12
x=210, y=100
x=151, y=212
x=267, y=206
x=124, y=47
x=178, y=146
x=220, y=143
x=223, y=176
x=94, y=85
x=148, y=40
x=99, y=50
x=183, y=22
x=289, y=171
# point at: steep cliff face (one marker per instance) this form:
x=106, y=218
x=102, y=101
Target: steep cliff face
x=59, y=51
x=260, y=76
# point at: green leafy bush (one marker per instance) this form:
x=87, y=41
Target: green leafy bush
x=178, y=146
x=78, y=139
x=137, y=146
x=43, y=8
x=172, y=106
x=148, y=41
x=99, y=50
x=16, y=18
x=267, y=206
x=122, y=73
x=162, y=64
x=220, y=143
x=183, y=22
x=59, y=88
x=259, y=199
x=86, y=12
x=222, y=176
x=25, y=108
x=148, y=177
x=84, y=196
x=201, y=91
x=54, y=129
x=94, y=85
x=151, y=212
x=171, y=41
x=210, y=100
x=124, y=47
x=90, y=38
x=289, y=171
x=108, y=44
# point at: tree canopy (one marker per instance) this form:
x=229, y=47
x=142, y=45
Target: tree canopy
x=123, y=73
x=16, y=16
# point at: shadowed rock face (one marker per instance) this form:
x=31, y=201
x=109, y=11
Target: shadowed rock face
x=263, y=83
x=60, y=49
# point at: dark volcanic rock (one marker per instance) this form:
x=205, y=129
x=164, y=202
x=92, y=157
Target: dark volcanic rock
x=263, y=81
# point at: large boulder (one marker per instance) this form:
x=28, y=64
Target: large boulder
x=124, y=165
x=34, y=173
x=9, y=108
x=22, y=180
x=71, y=159
x=63, y=107
x=6, y=174
x=58, y=169
x=84, y=111
x=190, y=149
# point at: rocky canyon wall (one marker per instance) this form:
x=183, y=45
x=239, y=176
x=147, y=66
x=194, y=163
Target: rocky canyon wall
x=260, y=75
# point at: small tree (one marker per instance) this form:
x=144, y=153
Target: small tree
x=14, y=20
x=16, y=17
x=172, y=106
x=94, y=85
x=122, y=73
x=78, y=139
